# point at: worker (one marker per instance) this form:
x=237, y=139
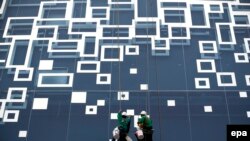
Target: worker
x=123, y=126
x=145, y=124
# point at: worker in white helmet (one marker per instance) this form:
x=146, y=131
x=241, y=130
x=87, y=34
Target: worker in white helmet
x=145, y=124
x=123, y=126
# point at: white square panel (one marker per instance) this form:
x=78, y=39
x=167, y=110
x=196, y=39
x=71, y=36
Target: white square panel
x=113, y=116
x=198, y=84
x=78, y=97
x=144, y=87
x=100, y=102
x=133, y=70
x=208, y=109
x=40, y=104
x=243, y=94
x=22, y=134
x=46, y=65
x=171, y=103
x=123, y=96
x=8, y=112
x=91, y=110
x=130, y=112
x=248, y=114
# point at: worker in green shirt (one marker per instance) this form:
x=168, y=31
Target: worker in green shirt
x=145, y=123
x=123, y=126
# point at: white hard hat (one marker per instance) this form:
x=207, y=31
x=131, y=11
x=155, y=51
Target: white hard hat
x=143, y=113
x=124, y=113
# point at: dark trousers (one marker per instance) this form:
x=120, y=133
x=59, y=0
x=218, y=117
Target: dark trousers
x=122, y=136
x=148, y=135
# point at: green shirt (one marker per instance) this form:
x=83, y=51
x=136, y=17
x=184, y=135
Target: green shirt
x=145, y=121
x=123, y=122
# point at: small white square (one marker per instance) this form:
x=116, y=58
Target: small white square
x=133, y=70
x=22, y=134
x=91, y=110
x=248, y=114
x=46, y=65
x=100, y=102
x=144, y=87
x=208, y=109
x=123, y=96
x=171, y=103
x=243, y=94
x=113, y=116
x=8, y=112
x=40, y=104
x=78, y=97
x=131, y=112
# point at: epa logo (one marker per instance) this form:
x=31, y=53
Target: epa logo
x=238, y=132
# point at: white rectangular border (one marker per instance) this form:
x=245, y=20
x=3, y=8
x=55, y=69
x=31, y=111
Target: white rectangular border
x=41, y=75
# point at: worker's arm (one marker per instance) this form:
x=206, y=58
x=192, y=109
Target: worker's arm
x=119, y=117
x=141, y=120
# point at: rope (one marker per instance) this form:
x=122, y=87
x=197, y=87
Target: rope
x=157, y=90
x=184, y=62
x=110, y=87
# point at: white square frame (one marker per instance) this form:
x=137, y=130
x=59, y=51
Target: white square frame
x=237, y=59
x=100, y=75
x=128, y=47
x=219, y=80
x=214, y=45
x=41, y=75
x=121, y=54
x=17, y=72
x=211, y=61
x=80, y=63
x=22, y=89
x=6, y=114
x=197, y=83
